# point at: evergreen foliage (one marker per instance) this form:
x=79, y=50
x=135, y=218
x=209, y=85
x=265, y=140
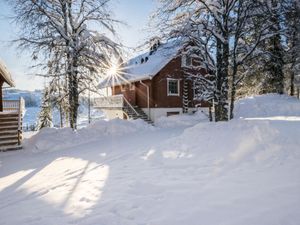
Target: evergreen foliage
x=45, y=116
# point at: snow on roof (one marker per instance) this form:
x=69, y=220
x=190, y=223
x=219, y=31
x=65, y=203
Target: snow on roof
x=146, y=65
x=6, y=75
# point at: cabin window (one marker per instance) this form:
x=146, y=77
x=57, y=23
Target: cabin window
x=173, y=87
x=195, y=89
x=132, y=87
x=186, y=60
x=123, y=87
x=172, y=113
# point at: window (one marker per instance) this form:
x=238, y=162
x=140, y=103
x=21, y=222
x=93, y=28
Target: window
x=132, y=87
x=195, y=91
x=186, y=61
x=173, y=87
x=123, y=87
x=172, y=113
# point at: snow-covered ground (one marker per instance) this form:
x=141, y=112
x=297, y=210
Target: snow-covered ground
x=183, y=171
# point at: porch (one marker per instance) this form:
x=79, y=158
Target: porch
x=121, y=104
x=110, y=102
x=11, y=118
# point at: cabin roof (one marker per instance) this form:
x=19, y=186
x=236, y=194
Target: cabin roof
x=144, y=66
x=5, y=74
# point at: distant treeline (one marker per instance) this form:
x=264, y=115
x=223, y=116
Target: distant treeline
x=31, y=101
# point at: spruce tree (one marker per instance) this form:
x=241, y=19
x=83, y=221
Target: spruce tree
x=274, y=76
x=291, y=14
x=45, y=116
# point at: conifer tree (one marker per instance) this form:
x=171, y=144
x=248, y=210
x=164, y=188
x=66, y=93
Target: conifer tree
x=45, y=116
x=291, y=15
x=274, y=76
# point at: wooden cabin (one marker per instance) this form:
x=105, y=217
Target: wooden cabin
x=149, y=86
x=11, y=114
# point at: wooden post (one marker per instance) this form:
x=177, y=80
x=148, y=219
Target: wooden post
x=1, y=96
x=21, y=105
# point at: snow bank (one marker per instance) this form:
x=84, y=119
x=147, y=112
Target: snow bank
x=240, y=172
x=270, y=105
x=55, y=139
x=183, y=119
x=237, y=141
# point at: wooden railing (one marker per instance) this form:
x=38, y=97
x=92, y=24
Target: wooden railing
x=115, y=101
x=11, y=105
x=21, y=111
x=130, y=106
x=16, y=106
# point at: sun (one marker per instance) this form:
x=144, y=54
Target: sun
x=113, y=70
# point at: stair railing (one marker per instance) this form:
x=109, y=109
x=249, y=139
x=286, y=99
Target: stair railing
x=20, y=114
x=10, y=105
x=128, y=104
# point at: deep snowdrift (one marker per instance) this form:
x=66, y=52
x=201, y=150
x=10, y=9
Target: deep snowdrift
x=246, y=171
x=52, y=139
x=270, y=106
x=182, y=120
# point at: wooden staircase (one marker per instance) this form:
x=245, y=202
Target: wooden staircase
x=11, y=126
x=134, y=112
x=120, y=102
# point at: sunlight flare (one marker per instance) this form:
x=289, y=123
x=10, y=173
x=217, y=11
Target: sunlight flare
x=117, y=73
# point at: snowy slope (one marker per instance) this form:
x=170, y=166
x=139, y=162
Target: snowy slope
x=245, y=172
x=270, y=106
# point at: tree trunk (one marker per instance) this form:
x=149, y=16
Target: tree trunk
x=75, y=95
x=70, y=94
x=224, y=86
x=275, y=81
x=218, y=80
x=222, y=73
x=292, y=86
x=233, y=91
x=210, y=113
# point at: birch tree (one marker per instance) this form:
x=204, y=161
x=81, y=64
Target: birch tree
x=66, y=26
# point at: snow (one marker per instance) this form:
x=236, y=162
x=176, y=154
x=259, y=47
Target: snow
x=5, y=74
x=246, y=171
x=50, y=139
x=163, y=55
x=268, y=106
x=182, y=120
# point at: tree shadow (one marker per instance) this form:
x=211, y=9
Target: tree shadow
x=77, y=185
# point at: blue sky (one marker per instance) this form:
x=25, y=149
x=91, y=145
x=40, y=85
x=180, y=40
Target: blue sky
x=134, y=12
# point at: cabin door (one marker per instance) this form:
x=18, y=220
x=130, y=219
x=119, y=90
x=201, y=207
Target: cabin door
x=129, y=94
